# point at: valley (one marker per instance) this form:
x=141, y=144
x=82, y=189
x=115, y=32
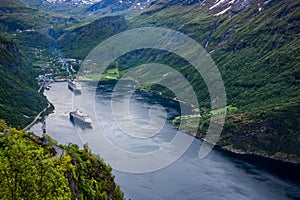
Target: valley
x=255, y=45
x=262, y=87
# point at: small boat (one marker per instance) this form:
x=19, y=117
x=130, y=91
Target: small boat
x=80, y=117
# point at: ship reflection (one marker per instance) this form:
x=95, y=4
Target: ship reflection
x=76, y=92
x=80, y=124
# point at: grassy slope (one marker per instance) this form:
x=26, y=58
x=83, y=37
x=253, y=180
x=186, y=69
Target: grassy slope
x=79, y=41
x=258, y=55
x=90, y=12
x=251, y=60
x=17, y=15
x=32, y=27
x=18, y=88
x=30, y=31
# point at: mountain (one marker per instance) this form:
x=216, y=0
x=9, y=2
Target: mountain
x=256, y=54
x=117, y=5
x=30, y=27
x=80, y=40
x=50, y=4
x=19, y=100
x=72, y=2
x=25, y=38
x=256, y=46
x=90, y=9
x=33, y=167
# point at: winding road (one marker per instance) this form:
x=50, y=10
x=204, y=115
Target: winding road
x=36, y=118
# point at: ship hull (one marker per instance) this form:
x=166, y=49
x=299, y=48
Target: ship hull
x=75, y=90
x=79, y=122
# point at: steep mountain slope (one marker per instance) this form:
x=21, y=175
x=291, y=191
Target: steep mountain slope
x=90, y=9
x=256, y=45
x=31, y=27
x=34, y=169
x=252, y=49
x=19, y=100
x=79, y=41
x=25, y=31
x=15, y=15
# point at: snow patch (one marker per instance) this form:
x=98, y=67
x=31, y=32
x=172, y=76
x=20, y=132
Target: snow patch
x=218, y=2
x=231, y=2
x=221, y=3
x=259, y=7
x=223, y=11
x=266, y=2
x=76, y=2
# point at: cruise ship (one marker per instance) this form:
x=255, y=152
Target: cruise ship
x=80, y=117
x=74, y=85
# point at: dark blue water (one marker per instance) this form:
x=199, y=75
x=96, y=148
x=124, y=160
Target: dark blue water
x=218, y=176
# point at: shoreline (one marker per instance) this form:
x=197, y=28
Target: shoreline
x=219, y=147
x=232, y=150
x=280, y=167
x=241, y=152
x=277, y=166
x=37, y=117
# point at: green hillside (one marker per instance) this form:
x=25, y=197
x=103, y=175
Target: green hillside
x=24, y=33
x=19, y=99
x=255, y=44
x=13, y=3
x=79, y=41
x=33, y=169
x=257, y=55
x=257, y=51
x=15, y=15
x=30, y=27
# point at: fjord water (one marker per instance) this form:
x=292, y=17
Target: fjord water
x=217, y=176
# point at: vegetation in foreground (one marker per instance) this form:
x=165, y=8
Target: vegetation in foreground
x=35, y=168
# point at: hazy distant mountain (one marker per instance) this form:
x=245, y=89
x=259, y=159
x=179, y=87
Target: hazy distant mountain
x=74, y=2
x=90, y=7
